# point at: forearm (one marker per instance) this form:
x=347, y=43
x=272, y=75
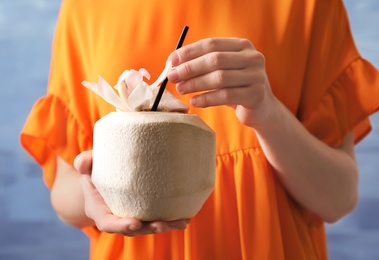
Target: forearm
x=321, y=178
x=67, y=196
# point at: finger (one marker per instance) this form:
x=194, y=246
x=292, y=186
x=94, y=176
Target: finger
x=179, y=224
x=209, y=62
x=96, y=209
x=94, y=203
x=83, y=162
x=126, y=226
x=215, y=80
x=155, y=227
x=249, y=97
x=200, y=48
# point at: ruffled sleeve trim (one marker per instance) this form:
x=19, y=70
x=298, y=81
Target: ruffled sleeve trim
x=346, y=106
x=52, y=130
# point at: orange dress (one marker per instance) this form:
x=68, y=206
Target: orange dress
x=314, y=69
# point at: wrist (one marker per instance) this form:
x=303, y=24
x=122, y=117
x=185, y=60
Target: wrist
x=269, y=118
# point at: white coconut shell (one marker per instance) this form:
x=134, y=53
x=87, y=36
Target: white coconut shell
x=153, y=165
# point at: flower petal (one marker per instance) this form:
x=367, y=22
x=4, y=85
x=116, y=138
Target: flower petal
x=144, y=73
x=104, y=90
x=140, y=95
x=121, y=86
x=134, y=78
x=163, y=75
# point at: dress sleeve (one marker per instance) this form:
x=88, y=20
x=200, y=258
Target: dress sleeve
x=347, y=105
x=52, y=130
x=341, y=88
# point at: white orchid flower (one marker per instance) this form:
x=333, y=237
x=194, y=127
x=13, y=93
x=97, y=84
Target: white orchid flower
x=133, y=91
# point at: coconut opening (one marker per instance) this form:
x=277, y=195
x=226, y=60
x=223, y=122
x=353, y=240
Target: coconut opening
x=168, y=103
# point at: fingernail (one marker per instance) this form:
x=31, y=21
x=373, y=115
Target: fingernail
x=77, y=162
x=173, y=76
x=174, y=58
x=193, y=101
x=180, y=88
x=133, y=228
x=178, y=226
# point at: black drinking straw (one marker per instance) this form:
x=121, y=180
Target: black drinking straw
x=164, y=83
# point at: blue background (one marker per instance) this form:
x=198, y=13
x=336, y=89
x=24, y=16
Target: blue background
x=29, y=229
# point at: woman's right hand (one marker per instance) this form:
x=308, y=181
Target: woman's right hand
x=96, y=209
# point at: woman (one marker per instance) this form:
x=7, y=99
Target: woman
x=281, y=84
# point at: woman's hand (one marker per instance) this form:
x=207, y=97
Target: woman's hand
x=230, y=71
x=98, y=211
x=227, y=71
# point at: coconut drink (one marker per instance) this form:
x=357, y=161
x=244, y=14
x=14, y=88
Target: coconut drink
x=151, y=165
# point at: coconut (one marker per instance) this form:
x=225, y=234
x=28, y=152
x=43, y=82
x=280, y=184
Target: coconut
x=150, y=165
x=153, y=165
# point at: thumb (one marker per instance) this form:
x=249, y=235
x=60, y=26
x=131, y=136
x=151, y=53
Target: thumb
x=83, y=162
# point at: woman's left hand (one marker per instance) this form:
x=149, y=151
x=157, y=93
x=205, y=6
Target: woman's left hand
x=227, y=71
x=96, y=209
